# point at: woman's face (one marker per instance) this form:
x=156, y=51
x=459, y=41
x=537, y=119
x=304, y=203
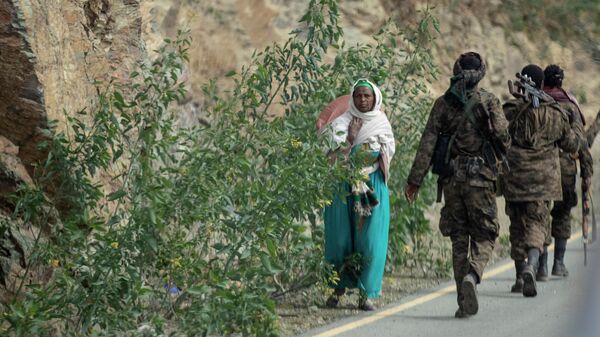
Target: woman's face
x=363, y=99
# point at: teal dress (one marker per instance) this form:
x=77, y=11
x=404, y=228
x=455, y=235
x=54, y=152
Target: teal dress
x=343, y=238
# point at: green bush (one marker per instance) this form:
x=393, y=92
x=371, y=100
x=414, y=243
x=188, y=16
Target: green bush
x=227, y=212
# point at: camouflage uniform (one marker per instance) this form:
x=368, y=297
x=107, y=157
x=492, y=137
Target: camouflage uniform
x=561, y=212
x=533, y=181
x=469, y=215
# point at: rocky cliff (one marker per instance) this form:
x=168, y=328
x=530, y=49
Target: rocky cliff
x=226, y=32
x=51, y=53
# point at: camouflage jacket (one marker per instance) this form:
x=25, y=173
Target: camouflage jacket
x=448, y=118
x=568, y=161
x=537, y=134
x=593, y=130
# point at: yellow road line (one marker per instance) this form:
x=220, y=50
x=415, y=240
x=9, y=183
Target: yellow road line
x=417, y=301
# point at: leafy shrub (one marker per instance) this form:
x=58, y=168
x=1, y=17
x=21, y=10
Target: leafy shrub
x=198, y=230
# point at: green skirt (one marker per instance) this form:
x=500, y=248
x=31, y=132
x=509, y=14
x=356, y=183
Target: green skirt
x=343, y=238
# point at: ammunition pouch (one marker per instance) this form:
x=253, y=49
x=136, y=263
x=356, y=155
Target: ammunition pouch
x=467, y=167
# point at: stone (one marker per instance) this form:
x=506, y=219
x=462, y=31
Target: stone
x=51, y=52
x=12, y=172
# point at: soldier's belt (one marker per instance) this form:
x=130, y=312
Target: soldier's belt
x=467, y=166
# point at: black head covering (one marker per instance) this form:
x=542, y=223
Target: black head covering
x=468, y=70
x=535, y=73
x=553, y=76
x=470, y=62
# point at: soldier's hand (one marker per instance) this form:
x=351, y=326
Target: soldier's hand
x=410, y=192
x=353, y=129
x=586, y=184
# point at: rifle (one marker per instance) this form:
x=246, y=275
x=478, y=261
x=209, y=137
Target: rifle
x=586, y=198
x=525, y=88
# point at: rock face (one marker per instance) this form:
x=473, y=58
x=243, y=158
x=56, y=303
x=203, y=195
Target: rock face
x=16, y=239
x=51, y=52
x=12, y=172
x=226, y=32
x=22, y=108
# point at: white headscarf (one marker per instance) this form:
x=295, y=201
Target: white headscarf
x=375, y=131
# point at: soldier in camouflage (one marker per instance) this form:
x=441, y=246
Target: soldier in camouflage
x=471, y=118
x=561, y=212
x=533, y=181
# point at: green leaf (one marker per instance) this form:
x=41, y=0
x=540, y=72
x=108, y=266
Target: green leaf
x=116, y=195
x=198, y=290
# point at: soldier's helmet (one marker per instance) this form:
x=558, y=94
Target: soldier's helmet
x=535, y=73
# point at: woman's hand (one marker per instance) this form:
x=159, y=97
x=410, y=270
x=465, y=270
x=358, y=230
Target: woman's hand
x=353, y=129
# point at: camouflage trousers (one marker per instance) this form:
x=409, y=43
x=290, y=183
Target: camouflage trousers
x=469, y=218
x=561, y=212
x=529, y=226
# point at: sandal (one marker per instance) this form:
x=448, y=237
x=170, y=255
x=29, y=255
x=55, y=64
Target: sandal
x=364, y=303
x=367, y=306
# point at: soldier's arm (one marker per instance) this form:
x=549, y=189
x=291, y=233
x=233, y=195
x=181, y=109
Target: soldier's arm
x=592, y=132
x=586, y=163
x=499, y=123
x=577, y=124
x=570, y=139
x=424, y=154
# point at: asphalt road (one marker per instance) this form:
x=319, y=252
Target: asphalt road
x=561, y=308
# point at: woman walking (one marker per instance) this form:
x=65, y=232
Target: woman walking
x=357, y=221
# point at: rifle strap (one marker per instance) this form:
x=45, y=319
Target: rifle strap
x=468, y=109
x=521, y=111
x=450, y=143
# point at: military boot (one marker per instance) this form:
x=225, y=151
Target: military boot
x=542, y=272
x=518, y=286
x=469, y=292
x=559, y=269
x=529, y=286
x=460, y=312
